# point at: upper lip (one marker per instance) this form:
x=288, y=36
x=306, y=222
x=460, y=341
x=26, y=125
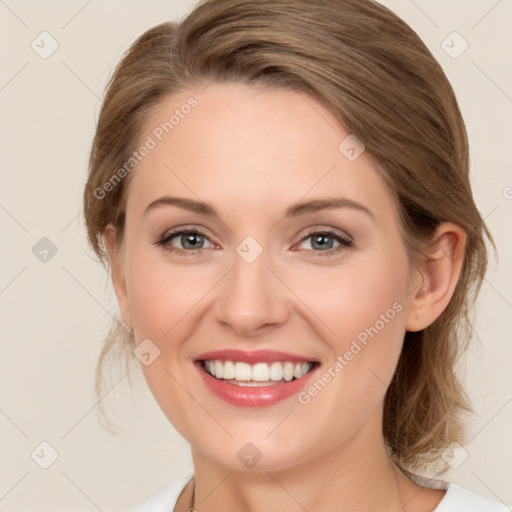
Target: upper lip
x=252, y=357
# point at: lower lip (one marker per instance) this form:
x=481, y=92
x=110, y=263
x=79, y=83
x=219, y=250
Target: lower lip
x=245, y=396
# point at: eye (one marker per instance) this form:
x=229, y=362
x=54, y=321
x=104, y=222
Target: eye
x=192, y=241
x=324, y=240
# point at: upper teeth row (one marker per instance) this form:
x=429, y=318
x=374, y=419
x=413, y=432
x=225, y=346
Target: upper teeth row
x=259, y=372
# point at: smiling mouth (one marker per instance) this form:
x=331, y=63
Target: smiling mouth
x=258, y=374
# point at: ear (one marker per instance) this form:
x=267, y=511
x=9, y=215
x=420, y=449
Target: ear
x=437, y=277
x=118, y=279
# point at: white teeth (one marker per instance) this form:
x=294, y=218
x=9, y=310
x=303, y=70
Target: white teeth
x=228, y=371
x=256, y=373
x=242, y=371
x=260, y=372
x=288, y=371
x=276, y=371
x=218, y=369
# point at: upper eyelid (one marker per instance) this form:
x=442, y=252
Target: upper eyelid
x=180, y=231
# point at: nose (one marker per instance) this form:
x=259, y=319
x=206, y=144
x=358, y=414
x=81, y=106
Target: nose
x=252, y=299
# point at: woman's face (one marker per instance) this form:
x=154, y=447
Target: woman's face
x=266, y=281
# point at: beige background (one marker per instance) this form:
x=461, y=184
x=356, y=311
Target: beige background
x=54, y=313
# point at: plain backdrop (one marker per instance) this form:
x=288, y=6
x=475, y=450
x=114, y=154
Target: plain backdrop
x=56, y=305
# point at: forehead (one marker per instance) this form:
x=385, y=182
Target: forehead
x=238, y=146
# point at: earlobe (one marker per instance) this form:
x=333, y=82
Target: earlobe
x=437, y=277
x=118, y=279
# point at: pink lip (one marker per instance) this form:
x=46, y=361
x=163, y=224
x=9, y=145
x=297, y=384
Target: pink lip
x=257, y=356
x=244, y=396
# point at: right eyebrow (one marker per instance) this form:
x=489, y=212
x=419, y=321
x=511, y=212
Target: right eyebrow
x=182, y=202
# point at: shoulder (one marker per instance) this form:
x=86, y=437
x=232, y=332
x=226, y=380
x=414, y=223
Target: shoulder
x=165, y=499
x=458, y=499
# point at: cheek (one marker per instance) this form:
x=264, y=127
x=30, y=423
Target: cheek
x=355, y=301
x=372, y=321
x=165, y=300
x=161, y=293
x=370, y=313
x=162, y=297
x=362, y=307
x=368, y=318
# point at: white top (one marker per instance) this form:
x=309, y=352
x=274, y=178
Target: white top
x=456, y=499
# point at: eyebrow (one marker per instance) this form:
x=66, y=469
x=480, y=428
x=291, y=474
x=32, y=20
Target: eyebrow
x=295, y=210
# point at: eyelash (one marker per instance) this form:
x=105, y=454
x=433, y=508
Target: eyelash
x=345, y=242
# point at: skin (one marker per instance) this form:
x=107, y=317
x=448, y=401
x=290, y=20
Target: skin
x=251, y=153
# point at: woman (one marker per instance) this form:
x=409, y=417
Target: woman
x=281, y=191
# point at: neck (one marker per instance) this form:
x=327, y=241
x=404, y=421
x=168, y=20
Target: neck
x=357, y=475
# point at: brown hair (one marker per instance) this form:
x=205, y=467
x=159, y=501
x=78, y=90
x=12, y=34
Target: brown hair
x=376, y=75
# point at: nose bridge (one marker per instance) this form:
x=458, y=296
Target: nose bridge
x=251, y=296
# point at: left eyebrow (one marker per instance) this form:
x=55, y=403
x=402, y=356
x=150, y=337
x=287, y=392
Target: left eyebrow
x=295, y=210
x=315, y=205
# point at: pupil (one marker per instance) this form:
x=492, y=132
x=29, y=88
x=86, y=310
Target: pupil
x=190, y=239
x=322, y=244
